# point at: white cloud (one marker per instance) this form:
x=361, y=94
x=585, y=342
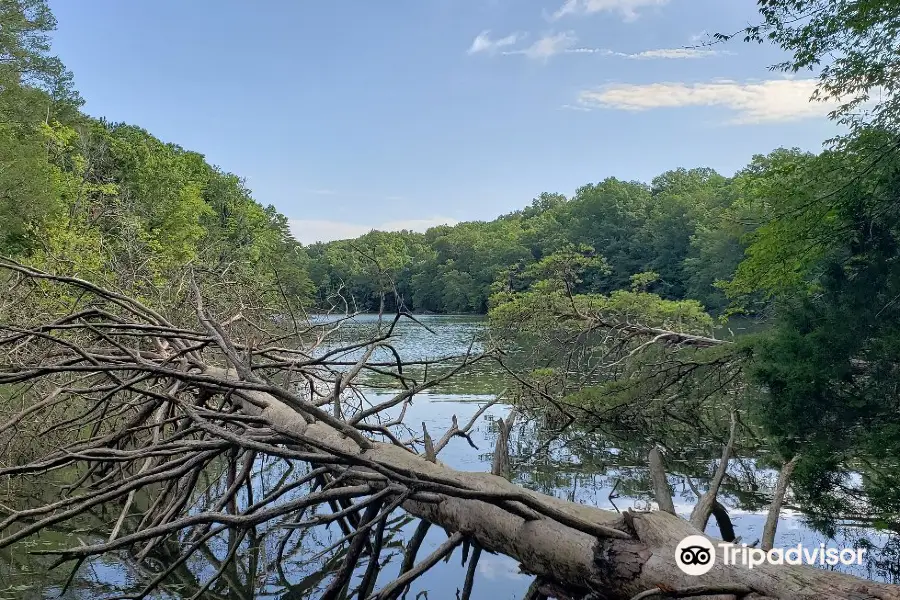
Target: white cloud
x=627, y=8
x=484, y=43
x=309, y=231
x=771, y=101
x=549, y=45
x=673, y=53
x=565, y=42
x=663, y=53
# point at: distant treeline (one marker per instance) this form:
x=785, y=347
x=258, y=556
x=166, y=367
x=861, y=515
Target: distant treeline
x=681, y=235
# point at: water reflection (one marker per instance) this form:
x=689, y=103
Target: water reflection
x=604, y=468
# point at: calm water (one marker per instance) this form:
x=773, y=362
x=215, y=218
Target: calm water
x=588, y=468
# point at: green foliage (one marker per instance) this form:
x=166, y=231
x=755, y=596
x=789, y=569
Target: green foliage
x=545, y=305
x=35, y=90
x=592, y=243
x=641, y=281
x=813, y=208
x=855, y=44
x=568, y=267
x=34, y=85
x=785, y=190
x=110, y=201
x=683, y=202
x=28, y=195
x=373, y=272
x=828, y=257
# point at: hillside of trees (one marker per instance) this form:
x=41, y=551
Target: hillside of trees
x=683, y=234
x=109, y=201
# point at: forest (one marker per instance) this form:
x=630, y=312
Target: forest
x=683, y=235
x=162, y=334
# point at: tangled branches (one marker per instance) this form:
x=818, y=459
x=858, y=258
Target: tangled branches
x=138, y=411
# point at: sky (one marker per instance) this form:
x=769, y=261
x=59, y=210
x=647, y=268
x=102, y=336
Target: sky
x=350, y=115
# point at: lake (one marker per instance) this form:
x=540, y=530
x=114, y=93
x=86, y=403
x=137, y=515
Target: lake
x=588, y=467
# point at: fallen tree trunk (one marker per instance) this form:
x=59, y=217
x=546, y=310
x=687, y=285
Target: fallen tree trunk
x=614, y=556
x=165, y=400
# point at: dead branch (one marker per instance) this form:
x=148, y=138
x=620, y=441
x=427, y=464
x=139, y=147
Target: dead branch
x=784, y=478
x=661, y=489
x=159, y=405
x=704, y=507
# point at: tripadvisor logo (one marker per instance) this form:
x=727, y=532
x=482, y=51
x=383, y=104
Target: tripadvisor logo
x=696, y=555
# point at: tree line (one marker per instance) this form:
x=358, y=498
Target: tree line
x=682, y=235
x=111, y=202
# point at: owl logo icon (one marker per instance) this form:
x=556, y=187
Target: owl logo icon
x=695, y=555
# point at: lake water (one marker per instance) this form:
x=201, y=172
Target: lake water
x=583, y=467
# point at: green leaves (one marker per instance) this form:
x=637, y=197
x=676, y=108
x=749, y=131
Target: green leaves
x=28, y=71
x=594, y=242
x=825, y=258
x=568, y=267
x=855, y=45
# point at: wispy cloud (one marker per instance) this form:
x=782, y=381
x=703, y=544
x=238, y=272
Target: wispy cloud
x=578, y=107
x=629, y=9
x=673, y=53
x=771, y=101
x=565, y=42
x=701, y=36
x=308, y=231
x=548, y=45
x=659, y=53
x=484, y=43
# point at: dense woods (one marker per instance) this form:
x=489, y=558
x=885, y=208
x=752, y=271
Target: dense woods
x=91, y=197
x=109, y=201
x=154, y=329
x=683, y=232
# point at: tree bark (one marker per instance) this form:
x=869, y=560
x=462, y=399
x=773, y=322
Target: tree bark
x=661, y=490
x=704, y=507
x=586, y=548
x=784, y=478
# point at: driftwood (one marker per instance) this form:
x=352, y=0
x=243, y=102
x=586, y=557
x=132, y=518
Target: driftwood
x=661, y=489
x=153, y=403
x=784, y=477
x=704, y=507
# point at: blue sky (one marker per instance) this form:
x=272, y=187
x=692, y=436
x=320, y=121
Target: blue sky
x=354, y=114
